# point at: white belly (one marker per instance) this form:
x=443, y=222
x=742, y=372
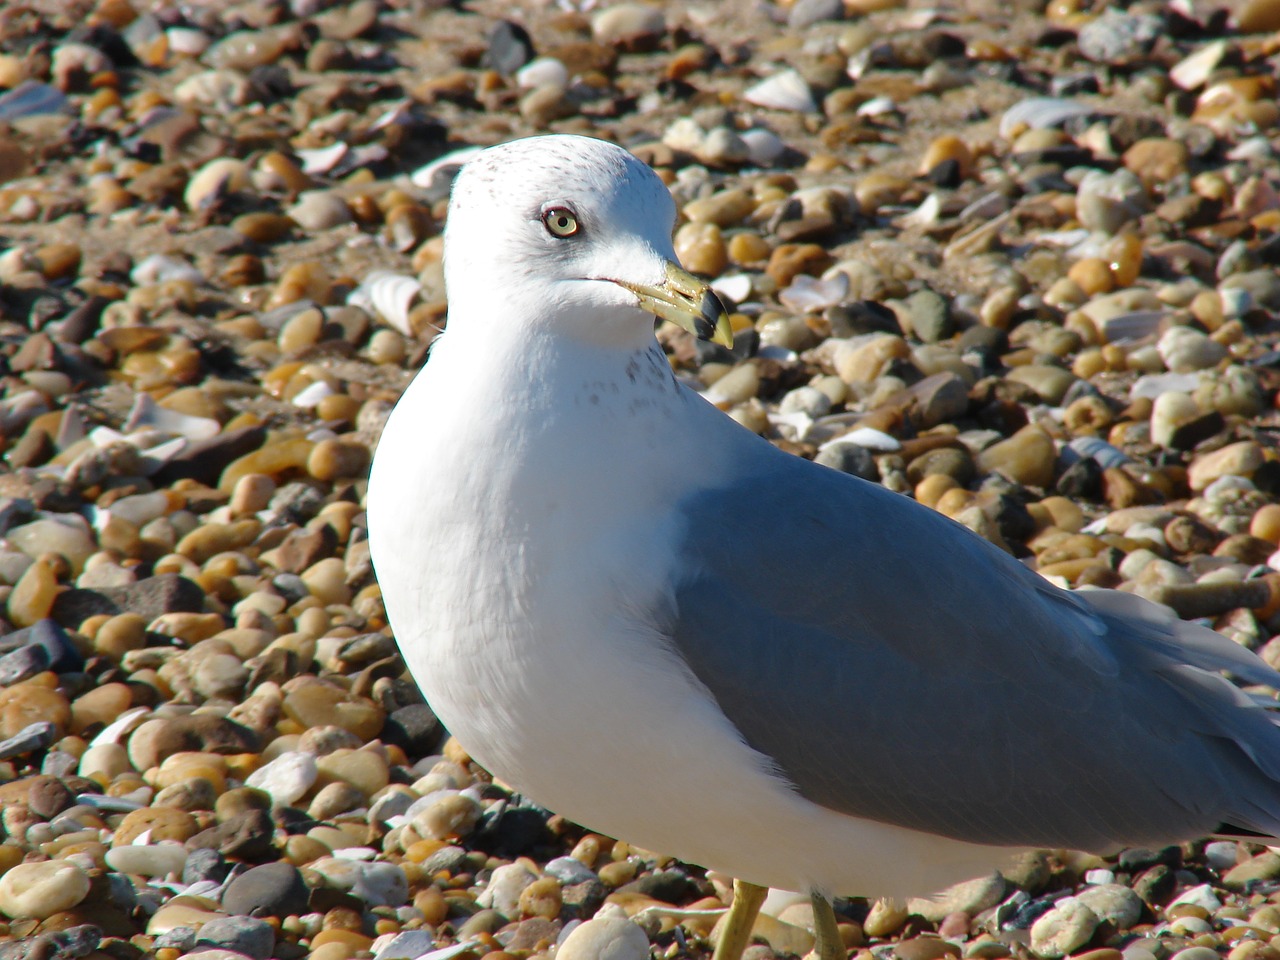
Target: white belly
x=524, y=607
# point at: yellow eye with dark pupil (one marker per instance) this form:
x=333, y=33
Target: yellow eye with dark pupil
x=560, y=222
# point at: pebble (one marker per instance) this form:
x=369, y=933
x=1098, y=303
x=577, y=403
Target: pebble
x=40, y=890
x=270, y=890
x=245, y=935
x=1064, y=929
x=287, y=778
x=605, y=938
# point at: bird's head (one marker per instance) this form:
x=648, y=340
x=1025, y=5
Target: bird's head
x=579, y=231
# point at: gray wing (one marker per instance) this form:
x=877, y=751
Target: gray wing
x=897, y=667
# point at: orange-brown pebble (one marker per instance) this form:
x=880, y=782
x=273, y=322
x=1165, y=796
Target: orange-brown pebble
x=1092, y=275
x=1265, y=524
x=1124, y=255
x=947, y=148
x=930, y=490
x=748, y=249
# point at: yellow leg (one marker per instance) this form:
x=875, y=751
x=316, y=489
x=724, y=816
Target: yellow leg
x=829, y=945
x=735, y=936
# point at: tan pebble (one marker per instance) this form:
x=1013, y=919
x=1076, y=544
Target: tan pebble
x=281, y=172
x=1265, y=524
x=179, y=767
x=865, y=362
x=454, y=815
x=59, y=260
x=1157, y=160
x=104, y=763
x=724, y=209
x=998, y=307
x=1258, y=16
x=301, y=850
x=930, y=489
x=213, y=538
x=191, y=627
x=541, y=899
x=327, y=581
x=886, y=918
x=701, y=248
x=262, y=226
x=253, y=492
x=12, y=71
x=100, y=705
x=1237, y=459
x=407, y=225
x=386, y=346
x=40, y=890
x=748, y=249
x=1027, y=457
x=180, y=912
x=618, y=873
x=338, y=407
x=947, y=148
x=301, y=331
x=1088, y=416
x=333, y=950
x=318, y=210
x=332, y=458
x=214, y=180
x=119, y=635
x=340, y=928
x=878, y=189
x=320, y=704
x=164, y=823
x=243, y=270
x=302, y=281
x=365, y=770
x=1092, y=275
x=274, y=459
x=792, y=259
x=33, y=595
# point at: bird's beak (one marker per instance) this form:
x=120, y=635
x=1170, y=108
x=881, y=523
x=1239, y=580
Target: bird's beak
x=686, y=301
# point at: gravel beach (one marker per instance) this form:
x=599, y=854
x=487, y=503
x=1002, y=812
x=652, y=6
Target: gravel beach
x=1017, y=262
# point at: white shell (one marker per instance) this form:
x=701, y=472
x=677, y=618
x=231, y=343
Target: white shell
x=542, y=72
x=782, y=91
x=389, y=296
x=870, y=438
x=1040, y=112
x=114, y=731
x=1154, y=384
x=159, y=268
x=322, y=159
x=1193, y=71
x=877, y=106
x=735, y=286
x=807, y=294
x=147, y=413
x=311, y=395
x=426, y=176
x=187, y=41
x=1132, y=326
x=925, y=215
x=763, y=146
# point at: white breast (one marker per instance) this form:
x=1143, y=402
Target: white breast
x=524, y=569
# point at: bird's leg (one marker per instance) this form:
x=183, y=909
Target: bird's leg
x=829, y=945
x=747, y=898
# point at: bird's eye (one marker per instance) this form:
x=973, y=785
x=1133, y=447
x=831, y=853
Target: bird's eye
x=560, y=222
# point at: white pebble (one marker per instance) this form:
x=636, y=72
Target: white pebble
x=287, y=778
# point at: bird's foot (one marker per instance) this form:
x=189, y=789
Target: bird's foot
x=736, y=934
x=829, y=944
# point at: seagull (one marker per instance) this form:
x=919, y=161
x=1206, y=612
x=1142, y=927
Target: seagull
x=645, y=617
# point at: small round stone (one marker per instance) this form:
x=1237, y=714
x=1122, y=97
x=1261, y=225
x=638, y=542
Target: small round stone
x=39, y=890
